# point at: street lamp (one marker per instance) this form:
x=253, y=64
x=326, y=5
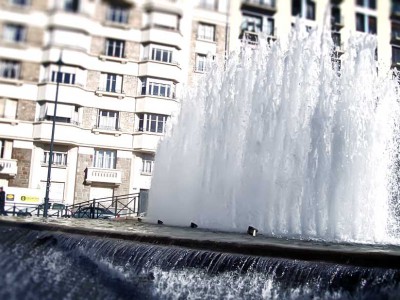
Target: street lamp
x=48, y=182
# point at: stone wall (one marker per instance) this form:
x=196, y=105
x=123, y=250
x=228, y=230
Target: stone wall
x=132, y=50
x=220, y=40
x=89, y=117
x=98, y=45
x=126, y=121
x=82, y=191
x=35, y=36
x=26, y=110
x=93, y=80
x=39, y=4
x=23, y=156
x=30, y=71
x=130, y=85
x=124, y=164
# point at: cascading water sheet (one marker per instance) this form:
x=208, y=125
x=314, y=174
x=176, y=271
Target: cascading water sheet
x=286, y=139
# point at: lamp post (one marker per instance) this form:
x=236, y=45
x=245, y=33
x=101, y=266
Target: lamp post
x=48, y=182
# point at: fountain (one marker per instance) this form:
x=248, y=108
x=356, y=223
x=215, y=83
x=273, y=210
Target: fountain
x=282, y=141
x=288, y=140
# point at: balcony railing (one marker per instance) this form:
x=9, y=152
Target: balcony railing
x=113, y=92
x=112, y=176
x=58, y=120
x=172, y=62
x=147, y=93
x=263, y=6
x=8, y=166
x=109, y=128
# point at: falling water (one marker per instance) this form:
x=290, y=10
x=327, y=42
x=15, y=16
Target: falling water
x=55, y=265
x=284, y=139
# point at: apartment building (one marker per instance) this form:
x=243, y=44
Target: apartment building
x=118, y=70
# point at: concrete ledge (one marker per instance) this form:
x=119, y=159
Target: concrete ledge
x=369, y=256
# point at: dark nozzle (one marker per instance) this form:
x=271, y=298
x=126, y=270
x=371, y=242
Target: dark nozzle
x=252, y=231
x=159, y=222
x=193, y=225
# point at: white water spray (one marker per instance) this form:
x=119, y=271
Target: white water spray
x=282, y=141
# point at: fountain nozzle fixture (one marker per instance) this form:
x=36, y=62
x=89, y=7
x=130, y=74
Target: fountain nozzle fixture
x=159, y=222
x=252, y=231
x=193, y=225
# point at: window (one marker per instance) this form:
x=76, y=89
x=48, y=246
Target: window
x=395, y=30
x=20, y=2
x=152, y=123
x=365, y=23
x=160, y=89
x=395, y=55
x=252, y=23
x=297, y=9
x=117, y=14
x=105, y=159
x=336, y=39
x=64, y=114
x=108, y=120
x=208, y=4
x=71, y=5
x=161, y=55
x=14, y=33
x=206, y=32
x=111, y=83
x=8, y=108
x=10, y=69
x=115, y=48
x=310, y=10
x=201, y=61
x=367, y=3
x=58, y=158
x=62, y=77
x=147, y=165
x=270, y=27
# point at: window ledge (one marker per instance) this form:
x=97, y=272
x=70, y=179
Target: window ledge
x=173, y=64
x=110, y=94
x=9, y=121
x=15, y=44
x=148, y=133
x=116, y=25
x=11, y=81
x=205, y=40
x=122, y=60
x=106, y=131
x=158, y=97
x=145, y=173
x=53, y=165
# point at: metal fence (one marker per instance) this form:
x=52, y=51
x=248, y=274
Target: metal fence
x=129, y=205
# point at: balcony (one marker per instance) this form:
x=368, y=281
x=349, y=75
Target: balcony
x=8, y=167
x=337, y=22
x=164, y=36
x=395, y=37
x=168, y=6
x=67, y=133
x=156, y=105
x=97, y=175
x=117, y=92
x=156, y=69
x=114, y=130
x=249, y=38
x=267, y=7
x=395, y=14
x=146, y=141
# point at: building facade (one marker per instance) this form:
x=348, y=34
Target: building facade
x=118, y=70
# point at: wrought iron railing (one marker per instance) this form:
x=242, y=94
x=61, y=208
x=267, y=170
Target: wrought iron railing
x=117, y=206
